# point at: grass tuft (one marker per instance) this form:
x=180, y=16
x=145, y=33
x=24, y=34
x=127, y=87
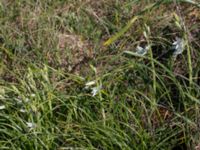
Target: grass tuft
x=109, y=74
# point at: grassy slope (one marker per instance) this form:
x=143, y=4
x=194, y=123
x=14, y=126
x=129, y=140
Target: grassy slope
x=49, y=50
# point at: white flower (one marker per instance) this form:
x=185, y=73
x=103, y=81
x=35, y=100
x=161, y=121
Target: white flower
x=30, y=125
x=95, y=90
x=142, y=51
x=178, y=46
x=2, y=107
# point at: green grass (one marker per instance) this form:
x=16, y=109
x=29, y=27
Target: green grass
x=50, y=50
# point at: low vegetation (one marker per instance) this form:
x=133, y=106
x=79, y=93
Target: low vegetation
x=104, y=74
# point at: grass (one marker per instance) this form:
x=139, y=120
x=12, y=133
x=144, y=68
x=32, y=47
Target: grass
x=70, y=76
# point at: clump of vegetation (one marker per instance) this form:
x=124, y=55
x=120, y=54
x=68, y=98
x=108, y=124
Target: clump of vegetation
x=109, y=74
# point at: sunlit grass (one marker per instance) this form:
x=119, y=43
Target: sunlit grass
x=92, y=88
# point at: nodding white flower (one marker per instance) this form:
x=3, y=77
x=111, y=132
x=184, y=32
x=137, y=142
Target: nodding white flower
x=2, y=107
x=178, y=46
x=30, y=125
x=95, y=90
x=142, y=51
x=88, y=84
